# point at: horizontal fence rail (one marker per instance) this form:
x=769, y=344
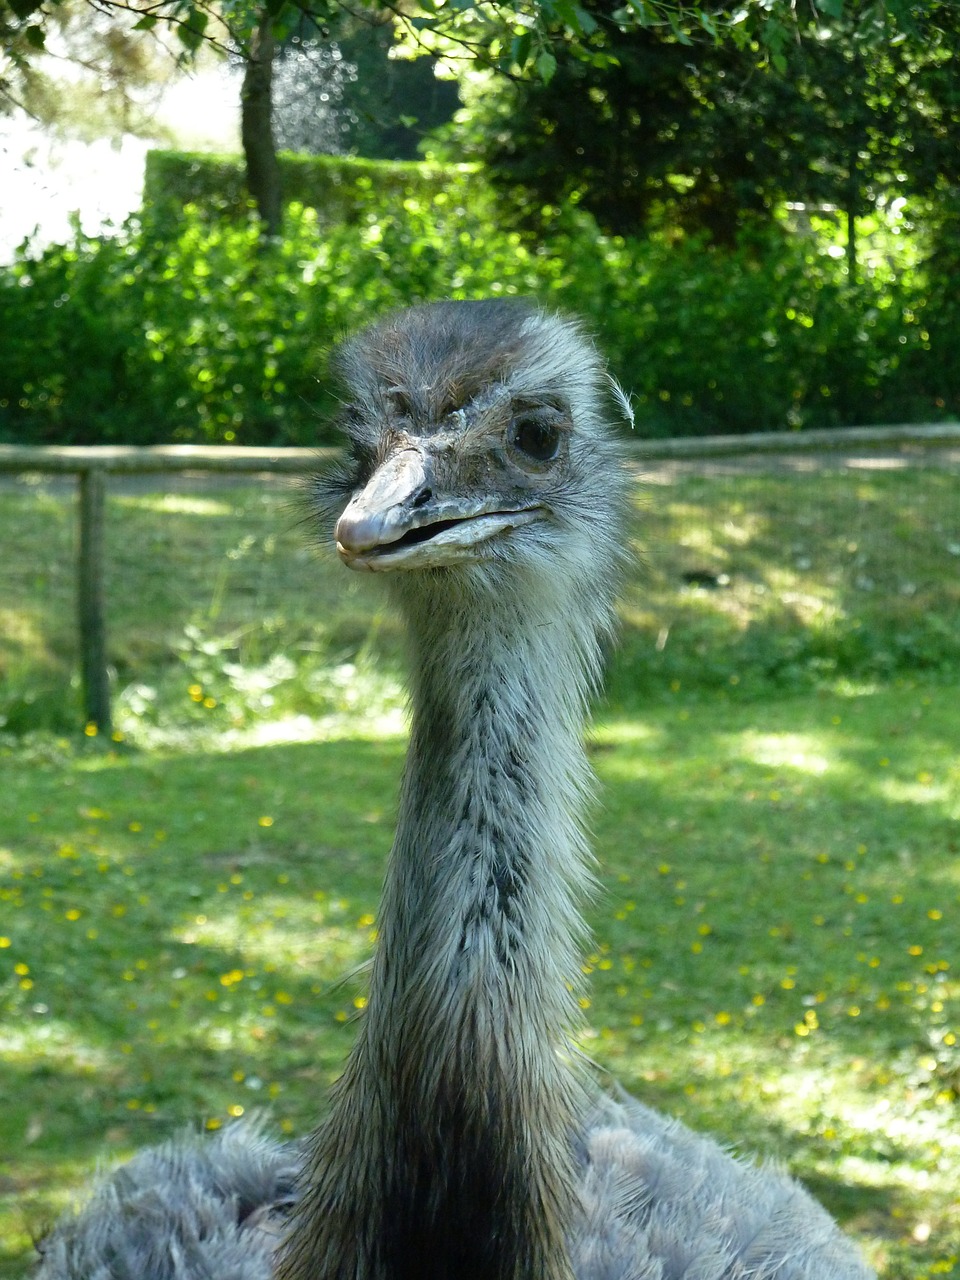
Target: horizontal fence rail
x=93, y=464
x=944, y=435
x=127, y=460
x=290, y=460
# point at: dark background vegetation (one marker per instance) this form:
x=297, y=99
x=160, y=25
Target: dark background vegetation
x=761, y=236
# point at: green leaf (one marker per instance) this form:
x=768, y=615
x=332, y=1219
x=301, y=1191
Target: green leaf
x=832, y=8
x=146, y=23
x=586, y=23
x=191, y=31
x=546, y=65
x=644, y=14
x=36, y=37
x=679, y=34
x=520, y=49
x=571, y=15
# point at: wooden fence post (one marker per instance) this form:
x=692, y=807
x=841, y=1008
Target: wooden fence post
x=91, y=613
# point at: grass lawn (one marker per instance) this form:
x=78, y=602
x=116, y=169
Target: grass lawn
x=184, y=913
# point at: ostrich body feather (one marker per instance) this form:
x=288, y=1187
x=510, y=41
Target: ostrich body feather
x=655, y=1202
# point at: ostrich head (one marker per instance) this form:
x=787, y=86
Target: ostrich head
x=478, y=444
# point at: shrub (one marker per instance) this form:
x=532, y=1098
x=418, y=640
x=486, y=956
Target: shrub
x=337, y=188
x=769, y=335
x=214, y=335
x=206, y=333
x=71, y=320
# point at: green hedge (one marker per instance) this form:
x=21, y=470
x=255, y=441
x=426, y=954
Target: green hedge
x=339, y=188
x=201, y=332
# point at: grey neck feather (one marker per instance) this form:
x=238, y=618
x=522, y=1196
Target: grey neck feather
x=446, y=1154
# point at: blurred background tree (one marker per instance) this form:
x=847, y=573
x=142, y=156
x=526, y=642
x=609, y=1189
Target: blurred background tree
x=338, y=90
x=650, y=77
x=318, y=79
x=102, y=76
x=713, y=137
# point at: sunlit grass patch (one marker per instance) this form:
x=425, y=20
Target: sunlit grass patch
x=323, y=937
x=178, y=504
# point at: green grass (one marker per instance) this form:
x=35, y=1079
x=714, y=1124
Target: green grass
x=183, y=913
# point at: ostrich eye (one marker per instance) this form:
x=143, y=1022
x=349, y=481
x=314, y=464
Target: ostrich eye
x=536, y=434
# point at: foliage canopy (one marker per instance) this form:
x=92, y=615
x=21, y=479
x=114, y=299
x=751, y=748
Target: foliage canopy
x=713, y=138
x=524, y=37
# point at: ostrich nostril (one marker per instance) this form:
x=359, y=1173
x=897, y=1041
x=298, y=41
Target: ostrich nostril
x=422, y=497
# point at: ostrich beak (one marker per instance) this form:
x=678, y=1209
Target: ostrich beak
x=401, y=519
x=381, y=512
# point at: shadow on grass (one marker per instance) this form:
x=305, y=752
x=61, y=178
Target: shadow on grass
x=793, y=579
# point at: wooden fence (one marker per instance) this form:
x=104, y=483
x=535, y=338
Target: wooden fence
x=93, y=464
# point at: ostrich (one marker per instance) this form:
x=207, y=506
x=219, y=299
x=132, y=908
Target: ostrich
x=465, y=1139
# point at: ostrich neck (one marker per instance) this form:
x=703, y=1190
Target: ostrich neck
x=480, y=899
x=450, y=1134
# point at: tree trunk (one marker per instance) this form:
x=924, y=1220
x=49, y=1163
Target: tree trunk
x=256, y=127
